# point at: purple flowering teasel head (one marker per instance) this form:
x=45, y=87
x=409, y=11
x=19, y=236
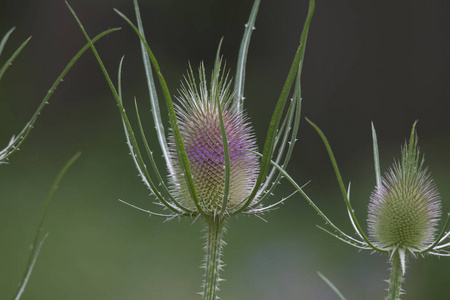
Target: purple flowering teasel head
x=199, y=124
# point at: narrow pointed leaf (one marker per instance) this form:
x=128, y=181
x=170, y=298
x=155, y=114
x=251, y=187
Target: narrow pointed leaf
x=153, y=95
x=226, y=151
x=376, y=157
x=16, y=53
x=243, y=52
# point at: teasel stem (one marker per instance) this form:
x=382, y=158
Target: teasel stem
x=213, y=263
x=395, y=282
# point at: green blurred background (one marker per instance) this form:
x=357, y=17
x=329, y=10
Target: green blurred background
x=380, y=61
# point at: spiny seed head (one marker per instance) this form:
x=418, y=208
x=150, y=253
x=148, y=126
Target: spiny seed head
x=405, y=209
x=199, y=124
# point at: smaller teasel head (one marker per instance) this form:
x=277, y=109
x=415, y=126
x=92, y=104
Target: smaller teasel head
x=199, y=122
x=405, y=208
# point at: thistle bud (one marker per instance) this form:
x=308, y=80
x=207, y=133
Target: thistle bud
x=404, y=210
x=199, y=123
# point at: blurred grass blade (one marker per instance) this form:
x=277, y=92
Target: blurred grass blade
x=5, y=39
x=242, y=58
x=17, y=141
x=179, y=144
x=376, y=157
x=153, y=95
x=38, y=242
x=16, y=53
x=331, y=285
x=276, y=117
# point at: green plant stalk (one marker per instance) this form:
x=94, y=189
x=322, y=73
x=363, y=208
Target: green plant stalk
x=213, y=263
x=395, y=282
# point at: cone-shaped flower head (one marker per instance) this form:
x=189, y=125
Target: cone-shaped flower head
x=199, y=122
x=405, y=209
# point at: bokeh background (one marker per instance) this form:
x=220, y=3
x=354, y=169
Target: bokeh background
x=381, y=61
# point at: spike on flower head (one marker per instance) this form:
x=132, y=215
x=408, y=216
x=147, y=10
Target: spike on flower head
x=199, y=123
x=405, y=209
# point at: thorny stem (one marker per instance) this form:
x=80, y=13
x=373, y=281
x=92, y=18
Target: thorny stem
x=213, y=264
x=395, y=282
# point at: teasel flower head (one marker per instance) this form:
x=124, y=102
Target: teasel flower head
x=199, y=123
x=405, y=209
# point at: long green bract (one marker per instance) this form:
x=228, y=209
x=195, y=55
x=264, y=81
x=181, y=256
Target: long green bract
x=315, y=207
x=153, y=95
x=147, y=148
x=276, y=117
x=376, y=157
x=215, y=94
x=242, y=58
x=341, y=185
x=153, y=162
x=181, y=149
x=129, y=130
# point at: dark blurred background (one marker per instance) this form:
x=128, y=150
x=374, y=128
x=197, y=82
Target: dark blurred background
x=381, y=61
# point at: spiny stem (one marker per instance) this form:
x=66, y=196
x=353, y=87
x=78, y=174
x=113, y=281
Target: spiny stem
x=213, y=264
x=395, y=282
